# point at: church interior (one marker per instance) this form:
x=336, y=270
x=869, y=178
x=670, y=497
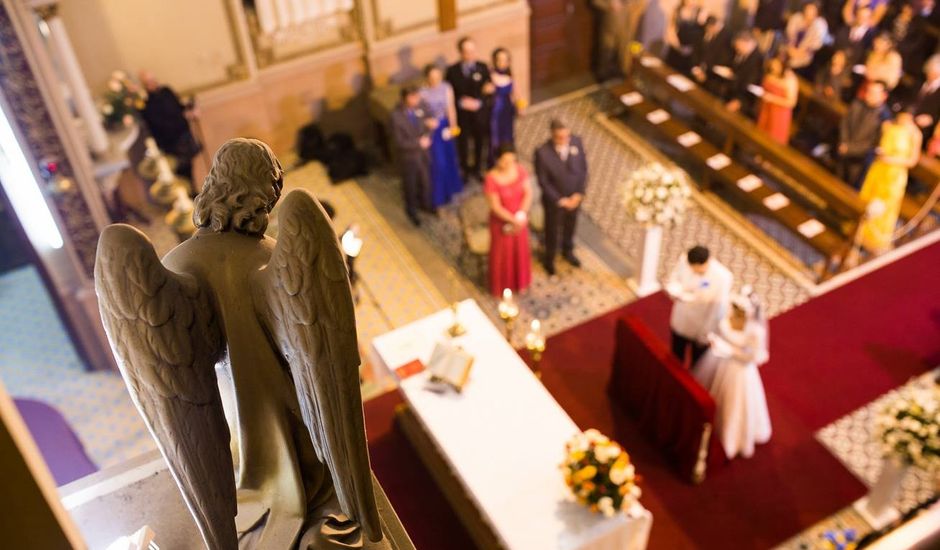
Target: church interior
x=612, y=274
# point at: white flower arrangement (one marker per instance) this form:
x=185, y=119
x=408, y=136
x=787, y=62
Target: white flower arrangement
x=599, y=473
x=910, y=426
x=657, y=195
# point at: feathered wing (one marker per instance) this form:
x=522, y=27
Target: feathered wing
x=167, y=340
x=308, y=307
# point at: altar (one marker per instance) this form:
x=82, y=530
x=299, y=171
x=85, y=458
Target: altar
x=495, y=448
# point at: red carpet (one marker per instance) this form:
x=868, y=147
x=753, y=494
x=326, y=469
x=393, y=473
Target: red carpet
x=828, y=357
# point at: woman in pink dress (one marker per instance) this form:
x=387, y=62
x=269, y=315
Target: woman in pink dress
x=781, y=91
x=510, y=196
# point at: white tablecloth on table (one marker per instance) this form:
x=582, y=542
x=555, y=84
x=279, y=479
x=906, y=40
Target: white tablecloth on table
x=504, y=438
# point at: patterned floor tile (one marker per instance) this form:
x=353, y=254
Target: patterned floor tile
x=610, y=161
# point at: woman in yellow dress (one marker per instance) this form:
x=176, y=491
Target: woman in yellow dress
x=886, y=181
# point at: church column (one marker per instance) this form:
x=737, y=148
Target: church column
x=81, y=95
x=267, y=16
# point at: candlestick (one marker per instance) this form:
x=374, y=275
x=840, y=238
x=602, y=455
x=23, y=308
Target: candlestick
x=456, y=329
x=508, y=311
x=535, y=343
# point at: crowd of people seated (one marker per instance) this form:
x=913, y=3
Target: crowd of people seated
x=874, y=57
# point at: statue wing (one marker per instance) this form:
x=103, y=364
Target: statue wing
x=167, y=340
x=310, y=313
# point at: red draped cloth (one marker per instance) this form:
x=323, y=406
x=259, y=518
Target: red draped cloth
x=672, y=409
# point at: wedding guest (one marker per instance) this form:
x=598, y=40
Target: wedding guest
x=168, y=118
x=700, y=287
x=856, y=38
x=562, y=171
x=859, y=132
x=933, y=146
x=510, y=196
x=768, y=21
x=883, y=62
x=926, y=103
x=712, y=50
x=886, y=181
x=470, y=80
x=806, y=33
x=747, y=67
x=412, y=124
x=852, y=9
x=909, y=31
x=505, y=101
x=835, y=79
x=729, y=371
x=684, y=32
x=781, y=92
x=619, y=20
x=438, y=95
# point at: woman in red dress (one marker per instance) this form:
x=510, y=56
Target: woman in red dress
x=781, y=91
x=510, y=196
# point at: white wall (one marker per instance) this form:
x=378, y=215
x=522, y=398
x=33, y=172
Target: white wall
x=183, y=42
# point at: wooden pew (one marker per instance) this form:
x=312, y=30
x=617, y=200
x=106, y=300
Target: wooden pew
x=836, y=195
x=828, y=242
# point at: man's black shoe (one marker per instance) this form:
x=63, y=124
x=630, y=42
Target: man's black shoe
x=572, y=259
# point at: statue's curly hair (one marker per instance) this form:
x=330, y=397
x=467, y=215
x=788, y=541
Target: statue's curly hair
x=242, y=187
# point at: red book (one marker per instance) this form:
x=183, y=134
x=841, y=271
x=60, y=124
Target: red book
x=409, y=369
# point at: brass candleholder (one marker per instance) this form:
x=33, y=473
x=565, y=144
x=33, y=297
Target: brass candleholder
x=508, y=311
x=535, y=343
x=456, y=329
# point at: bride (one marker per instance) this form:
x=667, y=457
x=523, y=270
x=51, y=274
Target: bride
x=728, y=370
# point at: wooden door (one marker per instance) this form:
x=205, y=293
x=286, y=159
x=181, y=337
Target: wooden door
x=562, y=40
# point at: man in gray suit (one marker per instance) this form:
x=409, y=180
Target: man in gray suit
x=411, y=125
x=561, y=168
x=860, y=131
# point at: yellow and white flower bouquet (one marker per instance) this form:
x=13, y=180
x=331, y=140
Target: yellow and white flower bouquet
x=657, y=195
x=599, y=473
x=910, y=426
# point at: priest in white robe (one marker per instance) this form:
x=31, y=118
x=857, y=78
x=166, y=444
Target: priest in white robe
x=700, y=287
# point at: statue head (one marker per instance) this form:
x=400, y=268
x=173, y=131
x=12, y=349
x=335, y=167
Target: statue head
x=242, y=187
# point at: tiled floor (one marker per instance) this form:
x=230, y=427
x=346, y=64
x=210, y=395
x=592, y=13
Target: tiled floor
x=37, y=360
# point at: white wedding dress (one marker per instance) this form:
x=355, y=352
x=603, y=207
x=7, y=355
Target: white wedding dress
x=729, y=371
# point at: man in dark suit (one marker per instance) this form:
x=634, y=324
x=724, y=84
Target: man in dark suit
x=712, y=50
x=411, y=124
x=860, y=131
x=747, y=69
x=856, y=39
x=470, y=80
x=561, y=169
x=926, y=101
x=168, y=118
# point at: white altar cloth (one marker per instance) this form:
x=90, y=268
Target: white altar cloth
x=504, y=438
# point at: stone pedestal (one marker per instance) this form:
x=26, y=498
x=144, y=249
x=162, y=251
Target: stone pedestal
x=120, y=500
x=877, y=507
x=645, y=282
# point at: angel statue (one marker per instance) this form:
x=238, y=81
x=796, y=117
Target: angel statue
x=240, y=353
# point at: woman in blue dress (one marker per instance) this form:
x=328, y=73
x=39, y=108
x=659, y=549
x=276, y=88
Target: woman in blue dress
x=505, y=105
x=445, y=168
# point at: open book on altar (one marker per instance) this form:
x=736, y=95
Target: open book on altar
x=450, y=364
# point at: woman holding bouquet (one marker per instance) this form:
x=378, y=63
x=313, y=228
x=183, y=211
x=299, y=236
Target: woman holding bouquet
x=729, y=371
x=505, y=103
x=510, y=196
x=444, y=168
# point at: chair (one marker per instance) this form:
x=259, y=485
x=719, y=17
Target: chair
x=536, y=214
x=474, y=214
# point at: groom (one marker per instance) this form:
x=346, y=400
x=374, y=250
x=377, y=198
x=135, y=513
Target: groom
x=700, y=287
